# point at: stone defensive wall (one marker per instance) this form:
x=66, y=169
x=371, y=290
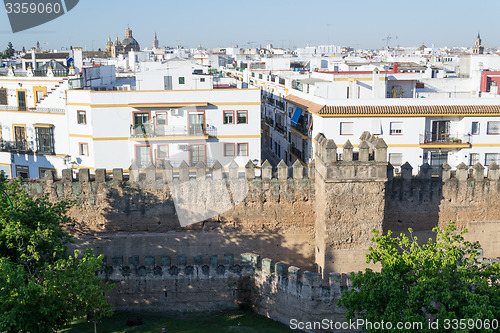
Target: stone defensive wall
x=154, y=210
x=318, y=218
x=162, y=230
x=202, y=283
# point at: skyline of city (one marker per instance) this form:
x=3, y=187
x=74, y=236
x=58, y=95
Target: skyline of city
x=279, y=23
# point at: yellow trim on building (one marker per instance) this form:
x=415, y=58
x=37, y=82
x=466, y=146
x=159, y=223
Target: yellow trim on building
x=111, y=139
x=43, y=125
x=81, y=167
x=165, y=105
x=444, y=145
x=160, y=105
x=238, y=136
x=81, y=136
x=172, y=138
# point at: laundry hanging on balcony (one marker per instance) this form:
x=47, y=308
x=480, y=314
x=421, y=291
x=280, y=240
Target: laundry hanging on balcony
x=296, y=116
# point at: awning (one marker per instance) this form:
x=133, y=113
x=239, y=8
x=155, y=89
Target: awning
x=296, y=116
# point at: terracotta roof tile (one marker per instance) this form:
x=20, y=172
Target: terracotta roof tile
x=400, y=109
x=308, y=105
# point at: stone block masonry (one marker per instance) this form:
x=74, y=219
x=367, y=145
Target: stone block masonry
x=200, y=283
x=118, y=215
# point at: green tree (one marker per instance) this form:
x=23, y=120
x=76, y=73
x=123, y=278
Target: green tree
x=10, y=51
x=42, y=287
x=437, y=282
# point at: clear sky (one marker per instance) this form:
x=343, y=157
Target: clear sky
x=284, y=23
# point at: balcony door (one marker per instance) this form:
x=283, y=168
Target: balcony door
x=440, y=131
x=141, y=123
x=21, y=99
x=196, y=123
x=20, y=137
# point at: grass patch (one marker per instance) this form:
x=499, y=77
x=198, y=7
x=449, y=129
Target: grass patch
x=229, y=321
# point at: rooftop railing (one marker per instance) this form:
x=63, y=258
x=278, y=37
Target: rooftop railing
x=25, y=108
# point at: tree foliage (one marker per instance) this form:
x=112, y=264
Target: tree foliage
x=10, y=51
x=438, y=281
x=42, y=287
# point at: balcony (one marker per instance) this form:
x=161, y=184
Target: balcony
x=269, y=121
x=17, y=146
x=279, y=128
x=25, y=108
x=172, y=130
x=445, y=140
x=297, y=153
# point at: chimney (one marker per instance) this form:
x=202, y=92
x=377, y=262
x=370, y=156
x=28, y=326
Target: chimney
x=33, y=58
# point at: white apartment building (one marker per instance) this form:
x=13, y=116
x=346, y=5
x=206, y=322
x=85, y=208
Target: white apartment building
x=344, y=105
x=94, y=120
x=117, y=128
x=33, y=125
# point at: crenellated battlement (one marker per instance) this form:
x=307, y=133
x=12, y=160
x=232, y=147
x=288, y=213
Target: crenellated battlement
x=200, y=283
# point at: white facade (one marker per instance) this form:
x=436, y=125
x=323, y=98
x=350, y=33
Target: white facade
x=184, y=125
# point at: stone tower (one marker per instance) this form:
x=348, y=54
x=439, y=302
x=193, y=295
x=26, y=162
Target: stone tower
x=109, y=45
x=156, y=43
x=478, y=48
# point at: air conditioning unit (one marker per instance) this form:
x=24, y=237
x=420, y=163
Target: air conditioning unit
x=183, y=147
x=175, y=112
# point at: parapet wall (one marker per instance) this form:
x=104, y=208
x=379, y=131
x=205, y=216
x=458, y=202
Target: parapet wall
x=140, y=214
x=276, y=290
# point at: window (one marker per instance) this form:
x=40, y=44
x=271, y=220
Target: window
x=396, y=128
x=228, y=117
x=21, y=100
x=162, y=152
x=84, y=149
x=197, y=153
x=346, y=128
x=475, y=128
x=242, y=149
x=493, y=127
x=42, y=171
x=82, y=117
x=473, y=158
x=181, y=80
x=491, y=157
x=242, y=117
x=20, y=137
x=22, y=171
x=396, y=159
x=3, y=96
x=260, y=76
x=376, y=127
x=161, y=118
x=143, y=155
x=229, y=149
x=202, y=79
x=38, y=95
x=45, y=140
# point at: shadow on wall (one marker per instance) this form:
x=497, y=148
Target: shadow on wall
x=139, y=218
x=413, y=202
